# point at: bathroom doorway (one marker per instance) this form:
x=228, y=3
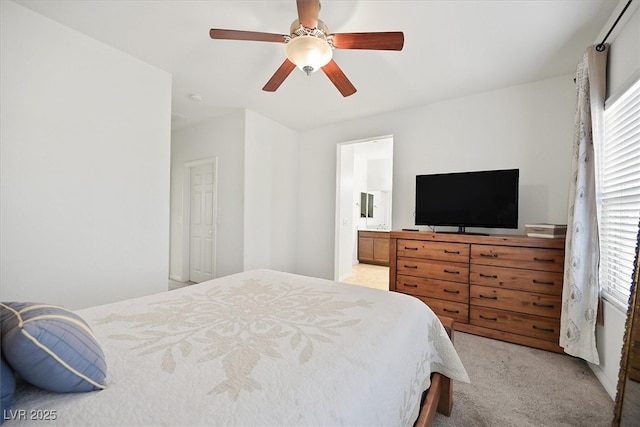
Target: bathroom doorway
x=364, y=172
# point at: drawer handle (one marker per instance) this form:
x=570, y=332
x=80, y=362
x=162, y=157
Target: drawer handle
x=492, y=255
x=451, y=271
x=410, y=285
x=537, y=304
x=489, y=276
x=489, y=297
x=542, y=282
x=536, y=259
x=452, y=252
x=451, y=292
x=543, y=329
x=494, y=319
x=410, y=266
x=407, y=248
x=451, y=311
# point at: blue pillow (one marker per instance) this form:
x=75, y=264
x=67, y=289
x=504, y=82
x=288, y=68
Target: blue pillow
x=7, y=388
x=51, y=347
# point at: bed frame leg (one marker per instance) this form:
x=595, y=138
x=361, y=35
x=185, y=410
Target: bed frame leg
x=446, y=396
x=446, y=389
x=440, y=395
x=431, y=402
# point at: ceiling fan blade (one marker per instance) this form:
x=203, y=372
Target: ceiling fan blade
x=393, y=40
x=308, y=11
x=217, y=33
x=279, y=76
x=338, y=78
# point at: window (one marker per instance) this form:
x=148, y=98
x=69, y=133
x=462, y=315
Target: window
x=618, y=184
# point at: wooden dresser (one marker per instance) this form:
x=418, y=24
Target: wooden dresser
x=502, y=287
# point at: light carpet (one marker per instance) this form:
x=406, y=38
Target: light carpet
x=513, y=385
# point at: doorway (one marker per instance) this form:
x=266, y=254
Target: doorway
x=363, y=167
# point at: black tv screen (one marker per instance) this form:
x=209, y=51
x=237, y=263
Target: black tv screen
x=486, y=199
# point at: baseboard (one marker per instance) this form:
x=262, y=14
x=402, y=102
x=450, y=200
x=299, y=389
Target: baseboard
x=345, y=277
x=177, y=278
x=606, y=382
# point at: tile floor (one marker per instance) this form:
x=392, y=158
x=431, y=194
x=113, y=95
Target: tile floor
x=373, y=276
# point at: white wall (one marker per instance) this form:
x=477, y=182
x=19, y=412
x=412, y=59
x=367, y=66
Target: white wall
x=380, y=184
x=380, y=175
x=609, y=338
x=349, y=215
x=624, y=51
x=271, y=188
x=85, y=143
x=360, y=174
x=223, y=138
x=623, y=67
x=257, y=192
x=529, y=127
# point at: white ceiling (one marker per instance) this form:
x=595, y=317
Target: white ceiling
x=452, y=49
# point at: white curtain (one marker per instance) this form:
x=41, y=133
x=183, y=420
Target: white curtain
x=581, y=290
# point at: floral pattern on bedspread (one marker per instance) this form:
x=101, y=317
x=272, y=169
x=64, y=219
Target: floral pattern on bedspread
x=240, y=325
x=430, y=361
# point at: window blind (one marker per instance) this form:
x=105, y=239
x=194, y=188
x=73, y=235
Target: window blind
x=619, y=195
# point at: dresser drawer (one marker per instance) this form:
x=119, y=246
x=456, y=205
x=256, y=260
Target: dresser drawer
x=434, y=288
x=522, y=324
x=519, y=301
x=544, y=282
x=518, y=257
x=443, y=251
x=455, y=310
x=456, y=272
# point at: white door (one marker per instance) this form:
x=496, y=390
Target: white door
x=202, y=224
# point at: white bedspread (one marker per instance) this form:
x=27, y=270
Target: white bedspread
x=259, y=348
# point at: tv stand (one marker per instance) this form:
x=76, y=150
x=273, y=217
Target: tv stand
x=506, y=287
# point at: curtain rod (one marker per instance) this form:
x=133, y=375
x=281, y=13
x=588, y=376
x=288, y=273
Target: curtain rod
x=601, y=46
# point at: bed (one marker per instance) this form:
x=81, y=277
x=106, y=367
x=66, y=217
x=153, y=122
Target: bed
x=258, y=348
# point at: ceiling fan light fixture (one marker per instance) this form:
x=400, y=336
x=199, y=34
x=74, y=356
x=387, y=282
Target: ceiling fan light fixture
x=309, y=53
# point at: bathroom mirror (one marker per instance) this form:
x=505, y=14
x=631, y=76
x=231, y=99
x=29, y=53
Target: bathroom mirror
x=627, y=405
x=366, y=205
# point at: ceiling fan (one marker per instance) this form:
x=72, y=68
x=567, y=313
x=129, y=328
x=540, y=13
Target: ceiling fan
x=309, y=46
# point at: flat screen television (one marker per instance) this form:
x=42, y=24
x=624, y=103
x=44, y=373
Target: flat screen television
x=487, y=199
